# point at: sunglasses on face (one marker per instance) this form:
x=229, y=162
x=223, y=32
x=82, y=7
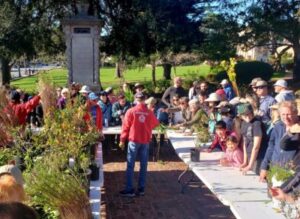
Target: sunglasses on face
x=260, y=87
x=175, y=99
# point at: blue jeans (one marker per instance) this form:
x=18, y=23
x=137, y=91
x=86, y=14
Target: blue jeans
x=142, y=150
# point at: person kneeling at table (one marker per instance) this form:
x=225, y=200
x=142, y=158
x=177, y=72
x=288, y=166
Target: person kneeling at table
x=219, y=142
x=198, y=117
x=234, y=155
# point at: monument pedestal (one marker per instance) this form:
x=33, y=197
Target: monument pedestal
x=82, y=39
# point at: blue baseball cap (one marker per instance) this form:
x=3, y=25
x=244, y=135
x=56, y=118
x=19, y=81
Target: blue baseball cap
x=93, y=96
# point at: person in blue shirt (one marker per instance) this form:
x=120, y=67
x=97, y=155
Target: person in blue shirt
x=106, y=108
x=228, y=89
x=265, y=102
x=274, y=154
x=119, y=109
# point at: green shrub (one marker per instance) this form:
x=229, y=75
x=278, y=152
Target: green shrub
x=246, y=71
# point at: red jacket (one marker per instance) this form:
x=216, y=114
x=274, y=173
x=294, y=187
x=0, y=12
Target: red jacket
x=138, y=124
x=87, y=117
x=21, y=110
x=221, y=142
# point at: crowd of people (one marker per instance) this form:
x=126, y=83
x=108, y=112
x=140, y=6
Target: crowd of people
x=255, y=131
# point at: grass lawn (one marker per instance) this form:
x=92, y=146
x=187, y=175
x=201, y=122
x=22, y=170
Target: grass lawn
x=107, y=76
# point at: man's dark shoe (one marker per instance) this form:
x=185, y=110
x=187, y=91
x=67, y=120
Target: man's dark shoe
x=126, y=193
x=140, y=192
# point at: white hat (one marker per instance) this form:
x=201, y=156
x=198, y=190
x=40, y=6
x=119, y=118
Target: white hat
x=281, y=83
x=213, y=97
x=222, y=104
x=14, y=171
x=224, y=81
x=235, y=101
x=85, y=89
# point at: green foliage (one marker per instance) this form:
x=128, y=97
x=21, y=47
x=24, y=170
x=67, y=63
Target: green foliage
x=161, y=129
x=246, y=71
x=280, y=173
x=6, y=155
x=53, y=189
x=129, y=96
x=203, y=136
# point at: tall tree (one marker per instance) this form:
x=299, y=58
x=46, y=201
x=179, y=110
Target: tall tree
x=273, y=23
x=28, y=27
x=144, y=28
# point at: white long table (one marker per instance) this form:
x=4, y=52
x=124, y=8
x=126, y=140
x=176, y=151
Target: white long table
x=116, y=130
x=245, y=195
x=95, y=186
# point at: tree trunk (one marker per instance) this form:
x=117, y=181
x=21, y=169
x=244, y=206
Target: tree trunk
x=167, y=71
x=153, y=65
x=296, y=69
x=118, y=70
x=5, y=71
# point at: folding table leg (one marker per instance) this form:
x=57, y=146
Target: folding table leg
x=183, y=183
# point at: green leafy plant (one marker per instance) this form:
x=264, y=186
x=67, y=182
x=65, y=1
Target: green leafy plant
x=202, y=136
x=56, y=189
x=280, y=173
x=129, y=96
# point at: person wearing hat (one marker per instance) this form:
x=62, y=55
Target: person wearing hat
x=221, y=94
x=94, y=112
x=228, y=89
x=138, y=87
x=265, y=101
x=110, y=95
x=11, y=184
x=21, y=110
x=119, y=109
x=85, y=90
x=283, y=94
x=253, y=83
x=106, y=108
x=171, y=91
x=254, y=138
x=274, y=154
x=137, y=129
x=213, y=100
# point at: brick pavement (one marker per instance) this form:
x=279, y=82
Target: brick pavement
x=163, y=198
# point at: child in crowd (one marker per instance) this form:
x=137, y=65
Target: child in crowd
x=234, y=155
x=213, y=100
x=219, y=142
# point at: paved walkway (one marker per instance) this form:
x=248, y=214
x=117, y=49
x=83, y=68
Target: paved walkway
x=163, y=198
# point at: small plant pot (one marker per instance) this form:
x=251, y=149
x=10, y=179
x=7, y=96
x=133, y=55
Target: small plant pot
x=195, y=154
x=95, y=172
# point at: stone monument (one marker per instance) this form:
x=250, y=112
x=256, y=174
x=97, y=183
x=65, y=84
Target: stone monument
x=82, y=35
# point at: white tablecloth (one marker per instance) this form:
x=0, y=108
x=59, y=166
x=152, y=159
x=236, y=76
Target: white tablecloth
x=95, y=186
x=245, y=195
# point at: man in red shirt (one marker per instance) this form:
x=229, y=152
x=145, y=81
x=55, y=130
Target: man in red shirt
x=137, y=128
x=21, y=110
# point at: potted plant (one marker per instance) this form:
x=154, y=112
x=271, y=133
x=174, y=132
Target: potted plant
x=276, y=176
x=52, y=185
x=201, y=140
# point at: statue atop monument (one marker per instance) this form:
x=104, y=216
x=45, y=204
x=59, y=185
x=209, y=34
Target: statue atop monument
x=83, y=7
